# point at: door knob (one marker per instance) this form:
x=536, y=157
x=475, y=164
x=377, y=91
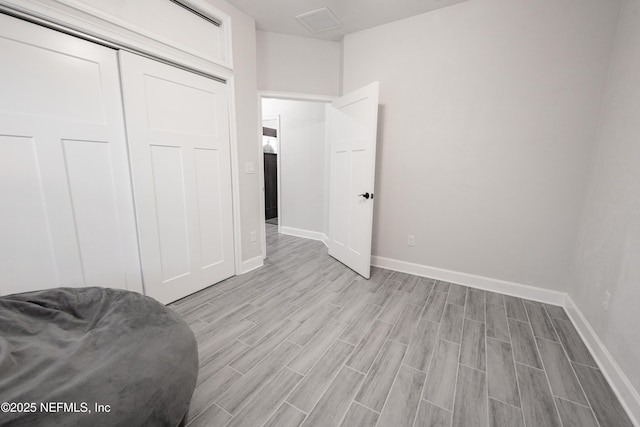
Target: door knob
x=366, y=195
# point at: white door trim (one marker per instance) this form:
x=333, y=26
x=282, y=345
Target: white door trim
x=261, y=216
x=235, y=177
x=275, y=117
x=295, y=96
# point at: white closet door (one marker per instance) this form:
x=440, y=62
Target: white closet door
x=66, y=213
x=178, y=130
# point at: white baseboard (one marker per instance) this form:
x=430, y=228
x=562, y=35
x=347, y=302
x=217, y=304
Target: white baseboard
x=251, y=264
x=627, y=394
x=306, y=234
x=480, y=282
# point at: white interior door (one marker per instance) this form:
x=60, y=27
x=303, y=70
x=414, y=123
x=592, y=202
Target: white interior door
x=66, y=216
x=178, y=130
x=353, y=122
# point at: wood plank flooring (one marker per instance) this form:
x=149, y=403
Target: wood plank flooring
x=305, y=341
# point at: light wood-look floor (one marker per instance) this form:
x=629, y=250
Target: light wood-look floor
x=305, y=341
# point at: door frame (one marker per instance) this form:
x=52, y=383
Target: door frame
x=289, y=96
x=275, y=117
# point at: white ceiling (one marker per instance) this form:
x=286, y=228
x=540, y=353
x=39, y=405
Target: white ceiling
x=278, y=16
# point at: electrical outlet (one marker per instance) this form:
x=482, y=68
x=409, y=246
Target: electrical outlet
x=253, y=236
x=411, y=241
x=605, y=301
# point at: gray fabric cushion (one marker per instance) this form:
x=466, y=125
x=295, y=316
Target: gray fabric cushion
x=95, y=345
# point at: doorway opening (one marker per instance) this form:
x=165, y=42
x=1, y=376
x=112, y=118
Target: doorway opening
x=295, y=167
x=327, y=176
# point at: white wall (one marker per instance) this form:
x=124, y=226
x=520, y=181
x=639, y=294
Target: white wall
x=168, y=20
x=487, y=122
x=298, y=64
x=246, y=110
x=608, y=249
x=302, y=162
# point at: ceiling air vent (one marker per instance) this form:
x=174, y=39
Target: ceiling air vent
x=319, y=20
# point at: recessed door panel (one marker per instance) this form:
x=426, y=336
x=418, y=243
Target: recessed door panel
x=210, y=206
x=170, y=198
x=95, y=210
x=30, y=88
x=25, y=239
x=359, y=208
x=176, y=107
x=341, y=174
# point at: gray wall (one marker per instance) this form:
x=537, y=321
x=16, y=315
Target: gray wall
x=298, y=64
x=608, y=249
x=488, y=118
x=246, y=110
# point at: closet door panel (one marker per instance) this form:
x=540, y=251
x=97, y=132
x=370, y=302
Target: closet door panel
x=23, y=218
x=210, y=208
x=94, y=204
x=32, y=88
x=69, y=218
x=171, y=213
x=177, y=108
x=178, y=129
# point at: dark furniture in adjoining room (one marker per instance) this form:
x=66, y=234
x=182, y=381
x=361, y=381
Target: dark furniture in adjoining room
x=270, y=185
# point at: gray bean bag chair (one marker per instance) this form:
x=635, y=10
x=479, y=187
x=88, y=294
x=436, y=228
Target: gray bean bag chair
x=71, y=349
